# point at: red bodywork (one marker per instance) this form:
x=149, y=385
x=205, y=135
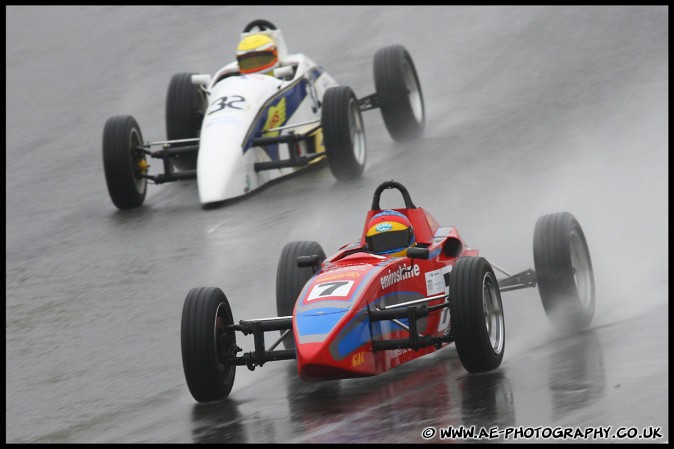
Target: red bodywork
x=331, y=325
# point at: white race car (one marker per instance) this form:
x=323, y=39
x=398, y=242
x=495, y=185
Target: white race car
x=235, y=132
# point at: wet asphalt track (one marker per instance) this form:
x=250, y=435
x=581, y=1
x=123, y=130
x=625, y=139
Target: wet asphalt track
x=531, y=110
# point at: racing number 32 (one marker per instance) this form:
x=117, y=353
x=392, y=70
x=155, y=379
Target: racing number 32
x=222, y=103
x=330, y=289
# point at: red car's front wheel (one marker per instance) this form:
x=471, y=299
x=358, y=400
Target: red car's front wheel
x=477, y=322
x=208, y=349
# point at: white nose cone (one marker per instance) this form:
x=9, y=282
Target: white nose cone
x=219, y=165
x=223, y=169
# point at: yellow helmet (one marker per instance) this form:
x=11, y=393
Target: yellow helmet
x=257, y=53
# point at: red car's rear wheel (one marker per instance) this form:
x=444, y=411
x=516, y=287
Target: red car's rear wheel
x=564, y=271
x=290, y=278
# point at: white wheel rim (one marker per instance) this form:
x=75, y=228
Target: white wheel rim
x=357, y=132
x=580, y=264
x=135, y=142
x=414, y=94
x=216, y=328
x=223, y=369
x=493, y=313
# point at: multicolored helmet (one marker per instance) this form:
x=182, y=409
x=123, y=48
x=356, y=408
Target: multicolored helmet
x=257, y=53
x=389, y=232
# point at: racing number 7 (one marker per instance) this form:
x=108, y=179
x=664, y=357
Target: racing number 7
x=331, y=287
x=334, y=289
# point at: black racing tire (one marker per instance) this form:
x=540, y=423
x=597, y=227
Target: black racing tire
x=399, y=93
x=208, y=349
x=476, y=320
x=123, y=165
x=290, y=279
x=564, y=272
x=185, y=109
x=260, y=24
x=343, y=133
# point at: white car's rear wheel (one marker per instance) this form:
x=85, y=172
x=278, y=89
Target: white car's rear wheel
x=185, y=108
x=399, y=93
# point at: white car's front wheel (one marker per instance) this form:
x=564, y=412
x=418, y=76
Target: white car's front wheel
x=343, y=133
x=123, y=163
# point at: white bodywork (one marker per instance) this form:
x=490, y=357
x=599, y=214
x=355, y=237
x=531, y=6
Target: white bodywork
x=238, y=106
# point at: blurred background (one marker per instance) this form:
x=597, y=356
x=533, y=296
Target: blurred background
x=530, y=110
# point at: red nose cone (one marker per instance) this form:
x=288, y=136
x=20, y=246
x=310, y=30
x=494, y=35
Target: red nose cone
x=315, y=362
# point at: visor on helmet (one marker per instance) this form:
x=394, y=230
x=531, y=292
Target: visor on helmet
x=257, y=61
x=389, y=242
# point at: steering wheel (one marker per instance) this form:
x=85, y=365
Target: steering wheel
x=261, y=24
x=392, y=185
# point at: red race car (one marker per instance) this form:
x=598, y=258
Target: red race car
x=406, y=288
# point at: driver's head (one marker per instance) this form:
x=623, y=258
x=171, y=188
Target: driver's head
x=389, y=232
x=257, y=53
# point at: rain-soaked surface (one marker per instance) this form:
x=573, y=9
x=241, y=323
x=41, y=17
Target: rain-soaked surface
x=531, y=110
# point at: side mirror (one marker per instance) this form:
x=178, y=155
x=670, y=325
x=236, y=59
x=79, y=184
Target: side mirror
x=284, y=72
x=308, y=261
x=204, y=80
x=417, y=253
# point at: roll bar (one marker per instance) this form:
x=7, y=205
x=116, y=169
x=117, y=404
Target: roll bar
x=392, y=185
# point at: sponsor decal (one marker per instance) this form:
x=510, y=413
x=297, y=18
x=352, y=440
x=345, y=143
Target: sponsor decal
x=248, y=183
x=398, y=275
x=358, y=359
x=435, y=282
x=340, y=276
x=443, y=231
x=225, y=120
x=275, y=117
x=291, y=98
x=398, y=352
x=383, y=227
x=349, y=267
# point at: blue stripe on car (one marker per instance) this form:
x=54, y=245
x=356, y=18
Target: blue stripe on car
x=315, y=73
x=294, y=96
x=318, y=321
x=357, y=334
